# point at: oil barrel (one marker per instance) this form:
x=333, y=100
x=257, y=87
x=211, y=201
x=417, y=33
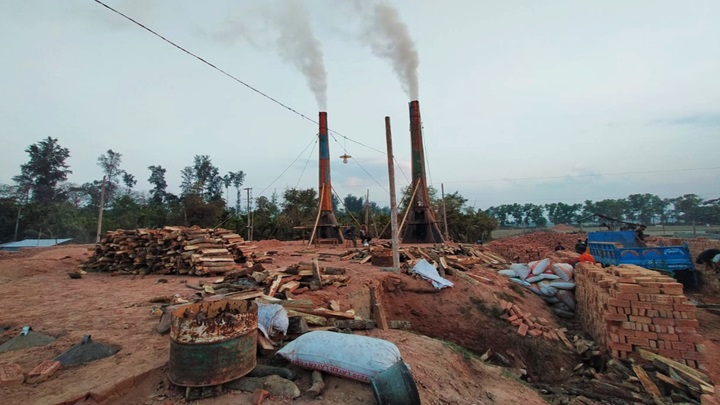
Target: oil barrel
x=212, y=343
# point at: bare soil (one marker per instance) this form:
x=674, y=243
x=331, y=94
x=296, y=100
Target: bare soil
x=450, y=328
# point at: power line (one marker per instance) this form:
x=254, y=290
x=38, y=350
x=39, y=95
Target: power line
x=314, y=140
x=267, y=96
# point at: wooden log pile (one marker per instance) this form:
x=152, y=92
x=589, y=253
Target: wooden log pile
x=628, y=308
x=170, y=250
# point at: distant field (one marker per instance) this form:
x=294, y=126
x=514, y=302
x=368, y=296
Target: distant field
x=685, y=231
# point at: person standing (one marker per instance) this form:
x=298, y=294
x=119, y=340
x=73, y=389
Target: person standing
x=349, y=234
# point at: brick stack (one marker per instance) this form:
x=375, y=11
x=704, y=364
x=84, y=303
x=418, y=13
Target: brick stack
x=533, y=326
x=626, y=308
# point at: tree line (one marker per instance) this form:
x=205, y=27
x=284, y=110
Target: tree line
x=645, y=208
x=41, y=203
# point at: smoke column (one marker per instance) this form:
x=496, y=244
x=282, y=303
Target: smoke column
x=389, y=39
x=297, y=44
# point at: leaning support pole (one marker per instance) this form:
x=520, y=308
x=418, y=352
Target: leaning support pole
x=409, y=207
x=317, y=220
x=393, y=204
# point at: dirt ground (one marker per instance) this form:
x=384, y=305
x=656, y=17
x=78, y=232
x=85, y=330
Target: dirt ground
x=36, y=291
x=450, y=328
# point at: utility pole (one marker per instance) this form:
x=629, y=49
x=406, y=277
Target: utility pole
x=442, y=193
x=249, y=226
x=367, y=208
x=393, y=203
x=19, y=214
x=100, y=213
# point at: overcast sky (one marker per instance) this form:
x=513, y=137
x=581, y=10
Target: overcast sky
x=521, y=101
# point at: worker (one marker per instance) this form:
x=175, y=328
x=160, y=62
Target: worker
x=580, y=246
x=364, y=237
x=349, y=234
x=559, y=246
x=640, y=235
x=711, y=258
x=586, y=257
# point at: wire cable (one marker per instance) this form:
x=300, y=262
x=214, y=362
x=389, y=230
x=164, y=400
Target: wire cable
x=267, y=96
x=306, y=164
x=314, y=140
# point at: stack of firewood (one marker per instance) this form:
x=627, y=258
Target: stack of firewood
x=172, y=249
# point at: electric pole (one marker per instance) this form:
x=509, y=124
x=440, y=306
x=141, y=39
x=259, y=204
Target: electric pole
x=249, y=226
x=393, y=203
x=100, y=214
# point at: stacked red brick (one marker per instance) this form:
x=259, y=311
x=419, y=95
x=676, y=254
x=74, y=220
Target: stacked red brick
x=627, y=308
x=531, y=246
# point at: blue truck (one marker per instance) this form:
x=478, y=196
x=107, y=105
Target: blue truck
x=613, y=248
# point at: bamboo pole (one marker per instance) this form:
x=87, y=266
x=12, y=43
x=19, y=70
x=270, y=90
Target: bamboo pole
x=317, y=220
x=393, y=203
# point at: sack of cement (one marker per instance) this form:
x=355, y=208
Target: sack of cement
x=352, y=356
x=428, y=272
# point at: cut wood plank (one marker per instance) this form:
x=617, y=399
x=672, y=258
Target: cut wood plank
x=365, y=259
x=355, y=324
x=466, y=277
x=244, y=295
x=325, y=313
x=649, y=386
x=667, y=380
x=377, y=309
x=309, y=318
x=264, y=344
x=674, y=364
x=290, y=287
x=316, y=272
x=275, y=285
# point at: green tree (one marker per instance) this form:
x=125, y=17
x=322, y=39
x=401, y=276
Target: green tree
x=110, y=165
x=44, y=171
x=129, y=181
x=157, y=179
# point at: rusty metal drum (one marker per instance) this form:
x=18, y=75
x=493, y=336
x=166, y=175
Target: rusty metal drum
x=213, y=342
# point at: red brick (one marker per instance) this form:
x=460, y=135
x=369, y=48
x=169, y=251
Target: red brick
x=690, y=337
x=685, y=307
x=670, y=353
x=614, y=302
x=650, y=290
x=672, y=290
x=680, y=300
x=683, y=347
x=669, y=337
x=626, y=287
x=700, y=348
x=653, y=344
x=640, y=304
x=662, y=307
x=646, y=335
x=683, y=329
x=638, y=311
x=629, y=325
x=621, y=347
x=616, y=317
x=662, y=299
x=687, y=323
x=640, y=319
x=512, y=318
x=663, y=321
x=645, y=297
x=692, y=355
x=626, y=296
x=11, y=374
x=43, y=371
x=638, y=341
x=522, y=330
x=535, y=332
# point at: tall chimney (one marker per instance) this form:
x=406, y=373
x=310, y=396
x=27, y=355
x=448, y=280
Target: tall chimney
x=421, y=224
x=327, y=225
x=325, y=189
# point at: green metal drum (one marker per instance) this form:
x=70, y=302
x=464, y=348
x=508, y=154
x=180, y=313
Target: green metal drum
x=213, y=342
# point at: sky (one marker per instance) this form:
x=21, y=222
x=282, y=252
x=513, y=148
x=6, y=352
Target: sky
x=524, y=101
